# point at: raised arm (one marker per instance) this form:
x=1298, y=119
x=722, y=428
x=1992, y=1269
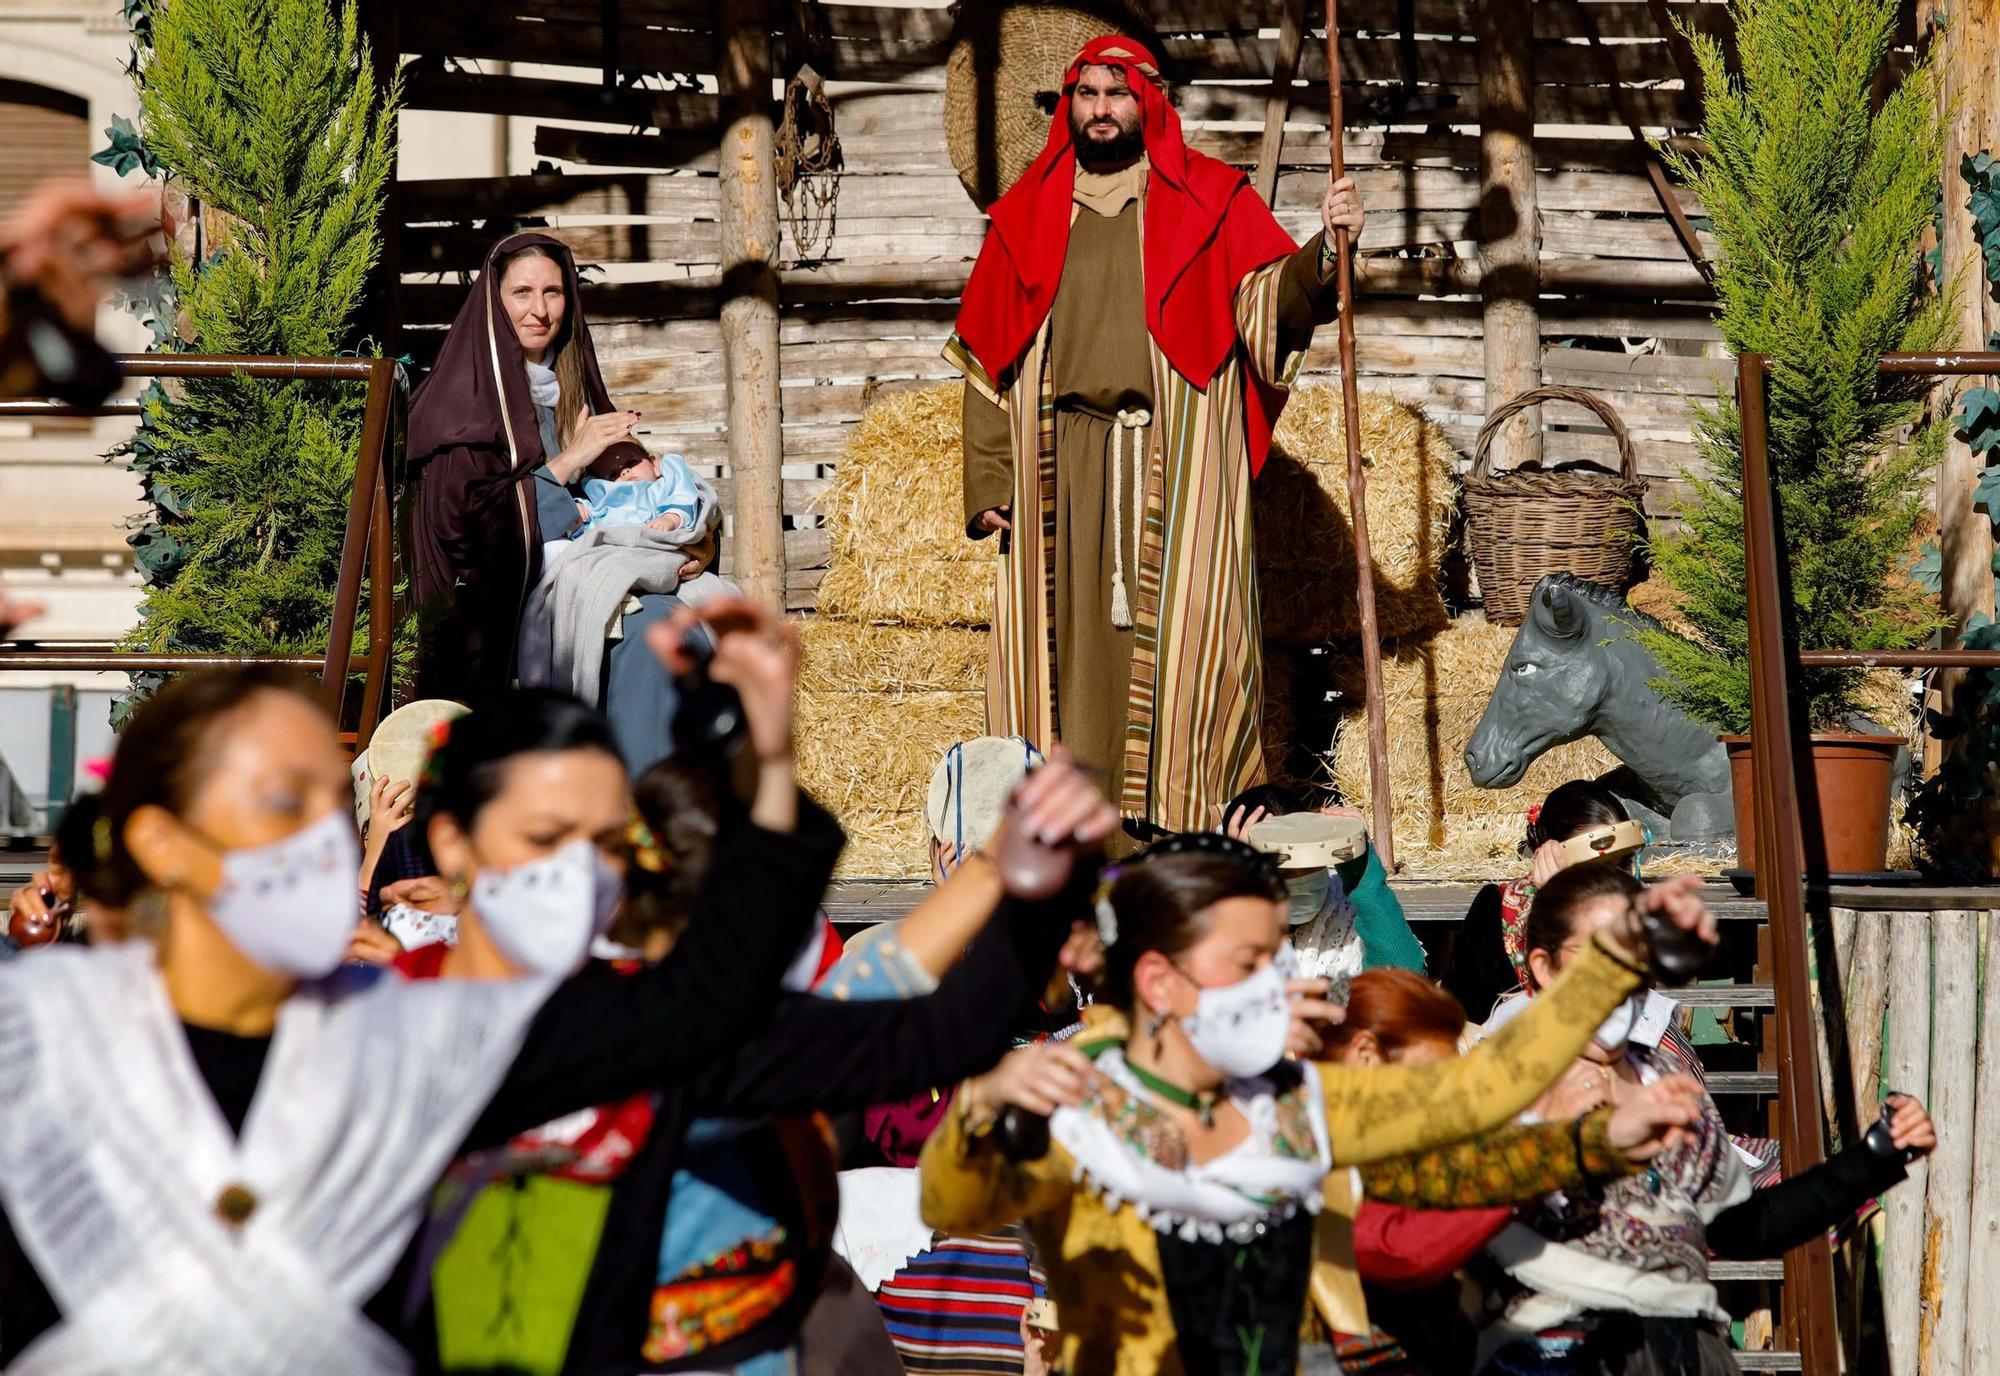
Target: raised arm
x=834, y=1055
x=602, y=1036
x=1379, y=1111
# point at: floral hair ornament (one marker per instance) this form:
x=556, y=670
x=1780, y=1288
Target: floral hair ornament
x=1534, y=813
x=433, y=772
x=98, y=769
x=647, y=853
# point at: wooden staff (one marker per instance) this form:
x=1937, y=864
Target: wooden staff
x=1357, y=481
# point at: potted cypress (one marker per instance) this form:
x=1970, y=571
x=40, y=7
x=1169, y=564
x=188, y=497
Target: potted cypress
x=1819, y=198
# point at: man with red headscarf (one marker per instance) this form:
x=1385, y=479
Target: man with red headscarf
x=1127, y=337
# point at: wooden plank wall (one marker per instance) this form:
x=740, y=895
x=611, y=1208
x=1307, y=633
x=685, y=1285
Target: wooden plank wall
x=1624, y=312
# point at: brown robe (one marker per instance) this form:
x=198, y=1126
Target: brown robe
x=1101, y=362
x=474, y=445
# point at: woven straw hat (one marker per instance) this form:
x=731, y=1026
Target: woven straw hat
x=1004, y=76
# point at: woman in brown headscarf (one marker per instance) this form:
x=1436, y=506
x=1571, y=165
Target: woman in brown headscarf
x=513, y=413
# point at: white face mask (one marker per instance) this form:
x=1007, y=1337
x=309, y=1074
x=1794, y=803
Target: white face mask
x=1240, y=1028
x=544, y=914
x=1307, y=894
x=1615, y=1031
x=292, y=906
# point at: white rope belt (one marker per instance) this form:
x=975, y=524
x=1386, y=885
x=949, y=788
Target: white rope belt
x=1127, y=423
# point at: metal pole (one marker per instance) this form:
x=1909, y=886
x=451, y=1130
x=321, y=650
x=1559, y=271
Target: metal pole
x=1383, y=819
x=1780, y=865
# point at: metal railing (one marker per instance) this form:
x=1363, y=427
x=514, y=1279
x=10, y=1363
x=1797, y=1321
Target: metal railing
x=1785, y=790
x=368, y=542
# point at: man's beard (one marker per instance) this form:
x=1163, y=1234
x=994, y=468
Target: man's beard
x=1115, y=152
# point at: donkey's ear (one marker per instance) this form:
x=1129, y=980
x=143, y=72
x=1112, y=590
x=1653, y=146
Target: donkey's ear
x=1556, y=612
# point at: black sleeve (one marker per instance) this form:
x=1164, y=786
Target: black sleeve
x=831, y=1055
x=602, y=1036
x=1792, y=1212
x=1477, y=972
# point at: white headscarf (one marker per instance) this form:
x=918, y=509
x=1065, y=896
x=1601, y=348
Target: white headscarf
x=543, y=389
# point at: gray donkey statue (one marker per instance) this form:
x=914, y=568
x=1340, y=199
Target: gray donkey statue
x=1574, y=670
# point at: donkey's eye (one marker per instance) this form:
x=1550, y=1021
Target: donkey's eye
x=1524, y=668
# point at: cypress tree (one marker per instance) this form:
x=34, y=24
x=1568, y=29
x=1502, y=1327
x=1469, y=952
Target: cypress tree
x=267, y=113
x=1819, y=201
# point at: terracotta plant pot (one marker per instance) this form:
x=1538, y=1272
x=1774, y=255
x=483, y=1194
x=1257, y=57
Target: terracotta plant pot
x=1855, y=773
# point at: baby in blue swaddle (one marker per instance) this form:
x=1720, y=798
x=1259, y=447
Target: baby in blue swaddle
x=658, y=493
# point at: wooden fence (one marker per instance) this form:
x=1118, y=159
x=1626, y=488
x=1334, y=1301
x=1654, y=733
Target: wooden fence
x=1623, y=311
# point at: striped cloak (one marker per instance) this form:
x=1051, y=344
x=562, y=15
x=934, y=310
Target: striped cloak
x=1196, y=696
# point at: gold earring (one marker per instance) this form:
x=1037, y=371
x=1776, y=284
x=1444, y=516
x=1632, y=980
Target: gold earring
x=459, y=889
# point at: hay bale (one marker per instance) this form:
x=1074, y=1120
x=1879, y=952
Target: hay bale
x=922, y=593
x=838, y=656
x=895, y=517
x=1305, y=545
x=1434, y=691
x=867, y=754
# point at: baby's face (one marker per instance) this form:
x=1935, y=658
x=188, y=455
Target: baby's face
x=640, y=471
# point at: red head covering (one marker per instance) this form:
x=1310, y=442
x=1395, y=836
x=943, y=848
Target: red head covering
x=1205, y=231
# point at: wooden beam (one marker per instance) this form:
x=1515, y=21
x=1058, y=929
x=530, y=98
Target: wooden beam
x=1510, y=244
x=1969, y=50
x=1948, y=1199
x=1906, y=1067
x=1278, y=104
x=1982, y=1335
x=751, y=372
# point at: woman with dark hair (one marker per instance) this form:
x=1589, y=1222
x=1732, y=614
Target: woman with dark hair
x=1393, y=1238
x=1488, y=959
x=219, y=1153
x=1173, y=1206
x=1613, y=1279
x=512, y=416
x=671, y=1229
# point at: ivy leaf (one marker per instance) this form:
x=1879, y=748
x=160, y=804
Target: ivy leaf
x=1928, y=570
x=1979, y=418
x=1986, y=496
x=157, y=553
x=127, y=152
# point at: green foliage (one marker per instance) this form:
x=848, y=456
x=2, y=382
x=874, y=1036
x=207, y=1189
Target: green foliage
x=266, y=111
x=1820, y=201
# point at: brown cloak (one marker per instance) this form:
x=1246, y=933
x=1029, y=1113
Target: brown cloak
x=475, y=548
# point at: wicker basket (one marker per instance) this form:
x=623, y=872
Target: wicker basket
x=1523, y=526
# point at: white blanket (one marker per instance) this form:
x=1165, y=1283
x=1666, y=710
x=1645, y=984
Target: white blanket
x=114, y=1160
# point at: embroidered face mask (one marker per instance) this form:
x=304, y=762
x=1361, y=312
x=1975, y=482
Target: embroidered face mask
x=1307, y=895
x=1240, y=1028
x=1616, y=1030
x=290, y=906
x=544, y=914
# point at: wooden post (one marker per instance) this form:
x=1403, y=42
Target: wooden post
x=1865, y=1001
x=756, y=550
x=1381, y=810
x=1278, y=104
x=1907, y=1068
x=1948, y=1197
x=1510, y=232
x=1969, y=50
x=1982, y=1279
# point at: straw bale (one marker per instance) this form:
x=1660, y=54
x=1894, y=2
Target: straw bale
x=838, y=656
x=885, y=843
x=893, y=590
x=878, y=749
x=1305, y=545
x=1434, y=692
x=897, y=492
